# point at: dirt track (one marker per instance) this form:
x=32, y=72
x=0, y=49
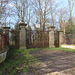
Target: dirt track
x=52, y=61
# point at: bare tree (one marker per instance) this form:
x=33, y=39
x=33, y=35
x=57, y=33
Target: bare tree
x=62, y=16
x=21, y=7
x=51, y=9
x=41, y=10
x=71, y=4
x=23, y=10
x=3, y=4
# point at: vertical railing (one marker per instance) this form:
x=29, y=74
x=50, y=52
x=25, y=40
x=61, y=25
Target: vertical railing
x=2, y=41
x=70, y=39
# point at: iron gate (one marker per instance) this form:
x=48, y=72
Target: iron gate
x=37, y=39
x=14, y=39
x=56, y=38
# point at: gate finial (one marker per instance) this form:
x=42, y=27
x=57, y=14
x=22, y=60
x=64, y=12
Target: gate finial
x=22, y=19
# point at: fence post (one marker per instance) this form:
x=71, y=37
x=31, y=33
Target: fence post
x=64, y=39
x=3, y=41
x=22, y=35
x=51, y=37
x=7, y=34
x=61, y=36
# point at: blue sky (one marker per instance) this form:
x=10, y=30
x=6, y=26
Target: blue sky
x=64, y=3
x=13, y=18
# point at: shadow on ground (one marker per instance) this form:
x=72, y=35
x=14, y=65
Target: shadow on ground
x=52, y=61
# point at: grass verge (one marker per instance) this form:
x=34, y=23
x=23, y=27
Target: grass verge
x=63, y=49
x=18, y=61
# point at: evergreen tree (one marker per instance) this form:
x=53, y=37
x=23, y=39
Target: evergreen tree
x=70, y=27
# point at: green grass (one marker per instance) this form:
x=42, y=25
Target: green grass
x=57, y=48
x=18, y=61
x=63, y=49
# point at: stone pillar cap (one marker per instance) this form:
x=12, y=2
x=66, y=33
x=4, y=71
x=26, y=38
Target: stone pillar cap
x=52, y=27
x=22, y=24
x=6, y=27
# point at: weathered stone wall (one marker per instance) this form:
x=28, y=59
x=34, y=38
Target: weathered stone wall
x=22, y=40
x=22, y=36
x=3, y=56
x=60, y=38
x=51, y=37
x=68, y=46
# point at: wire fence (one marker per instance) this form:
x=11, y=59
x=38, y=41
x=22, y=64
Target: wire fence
x=69, y=39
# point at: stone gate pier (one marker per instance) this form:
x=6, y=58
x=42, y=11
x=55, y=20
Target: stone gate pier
x=22, y=35
x=51, y=37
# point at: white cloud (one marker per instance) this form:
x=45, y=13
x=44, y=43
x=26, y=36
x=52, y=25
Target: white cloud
x=10, y=5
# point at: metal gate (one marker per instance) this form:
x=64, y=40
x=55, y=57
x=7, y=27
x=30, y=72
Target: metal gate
x=14, y=39
x=37, y=39
x=56, y=37
x=3, y=41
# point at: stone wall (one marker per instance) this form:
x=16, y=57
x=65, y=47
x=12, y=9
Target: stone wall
x=60, y=38
x=68, y=46
x=3, y=56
